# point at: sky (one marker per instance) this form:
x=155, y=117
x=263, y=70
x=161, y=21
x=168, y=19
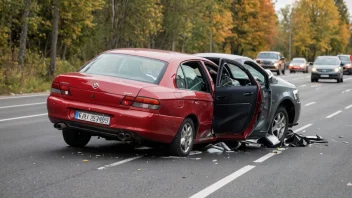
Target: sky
x=282, y=3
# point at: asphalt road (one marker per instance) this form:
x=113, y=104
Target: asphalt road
x=36, y=162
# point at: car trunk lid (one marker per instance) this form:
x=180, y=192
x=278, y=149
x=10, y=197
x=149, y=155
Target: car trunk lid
x=102, y=90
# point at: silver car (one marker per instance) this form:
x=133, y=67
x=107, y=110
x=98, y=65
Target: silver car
x=327, y=67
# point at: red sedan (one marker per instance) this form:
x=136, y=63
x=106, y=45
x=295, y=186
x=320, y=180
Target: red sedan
x=150, y=95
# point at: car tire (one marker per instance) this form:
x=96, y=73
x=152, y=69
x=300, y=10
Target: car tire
x=186, y=132
x=280, y=112
x=341, y=79
x=75, y=138
x=338, y=80
x=278, y=72
x=291, y=71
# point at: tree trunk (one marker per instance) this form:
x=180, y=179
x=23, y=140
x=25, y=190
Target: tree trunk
x=24, y=31
x=54, y=36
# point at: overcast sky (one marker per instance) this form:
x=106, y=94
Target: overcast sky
x=283, y=3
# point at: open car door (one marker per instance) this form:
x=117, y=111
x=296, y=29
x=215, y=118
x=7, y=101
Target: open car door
x=237, y=101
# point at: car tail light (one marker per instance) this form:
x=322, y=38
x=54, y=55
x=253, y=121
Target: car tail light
x=62, y=89
x=141, y=102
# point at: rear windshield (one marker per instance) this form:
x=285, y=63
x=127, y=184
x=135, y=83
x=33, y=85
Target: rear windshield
x=265, y=55
x=127, y=67
x=298, y=61
x=345, y=58
x=326, y=61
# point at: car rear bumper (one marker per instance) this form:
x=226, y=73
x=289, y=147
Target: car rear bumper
x=297, y=68
x=331, y=75
x=140, y=124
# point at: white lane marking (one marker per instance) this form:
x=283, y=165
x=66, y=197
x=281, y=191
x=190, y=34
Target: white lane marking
x=302, y=128
x=119, y=162
x=348, y=107
x=22, y=105
x=303, y=85
x=347, y=90
x=219, y=184
x=347, y=79
x=332, y=115
x=22, y=117
x=15, y=97
x=265, y=157
x=311, y=103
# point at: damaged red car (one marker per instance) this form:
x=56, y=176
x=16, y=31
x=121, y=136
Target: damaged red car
x=142, y=95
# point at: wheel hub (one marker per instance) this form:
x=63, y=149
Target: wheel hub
x=186, y=137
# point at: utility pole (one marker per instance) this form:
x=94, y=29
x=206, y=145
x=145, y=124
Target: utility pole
x=290, y=39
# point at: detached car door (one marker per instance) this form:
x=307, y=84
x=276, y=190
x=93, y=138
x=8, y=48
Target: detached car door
x=237, y=101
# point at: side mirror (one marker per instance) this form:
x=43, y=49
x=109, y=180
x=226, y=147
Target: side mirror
x=310, y=63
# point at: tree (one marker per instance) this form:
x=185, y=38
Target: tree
x=54, y=37
x=24, y=31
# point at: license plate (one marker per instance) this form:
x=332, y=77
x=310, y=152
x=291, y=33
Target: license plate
x=324, y=76
x=91, y=117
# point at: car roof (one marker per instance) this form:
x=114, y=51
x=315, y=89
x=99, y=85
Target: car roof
x=153, y=53
x=327, y=57
x=270, y=52
x=221, y=55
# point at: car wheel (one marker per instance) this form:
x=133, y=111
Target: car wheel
x=338, y=80
x=76, y=138
x=183, y=141
x=279, y=124
x=291, y=71
x=278, y=72
x=312, y=80
x=341, y=79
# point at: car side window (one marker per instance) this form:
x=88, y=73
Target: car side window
x=233, y=75
x=194, y=77
x=260, y=78
x=180, y=79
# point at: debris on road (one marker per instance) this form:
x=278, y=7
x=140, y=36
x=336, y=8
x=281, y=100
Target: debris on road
x=215, y=160
x=295, y=140
x=345, y=142
x=349, y=184
x=340, y=136
x=85, y=160
x=195, y=152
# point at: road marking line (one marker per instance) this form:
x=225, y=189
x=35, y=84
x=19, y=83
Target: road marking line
x=119, y=162
x=311, y=103
x=265, y=157
x=347, y=79
x=22, y=105
x=347, y=90
x=22, y=117
x=332, y=115
x=15, y=97
x=303, y=85
x=221, y=183
x=302, y=128
x=348, y=107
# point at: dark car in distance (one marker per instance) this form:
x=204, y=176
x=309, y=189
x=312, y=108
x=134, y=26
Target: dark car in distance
x=327, y=67
x=347, y=64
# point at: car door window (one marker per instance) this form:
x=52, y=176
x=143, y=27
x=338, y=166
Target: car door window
x=194, y=77
x=260, y=78
x=180, y=79
x=233, y=75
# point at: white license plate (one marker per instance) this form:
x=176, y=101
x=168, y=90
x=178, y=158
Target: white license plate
x=90, y=117
x=324, y=76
